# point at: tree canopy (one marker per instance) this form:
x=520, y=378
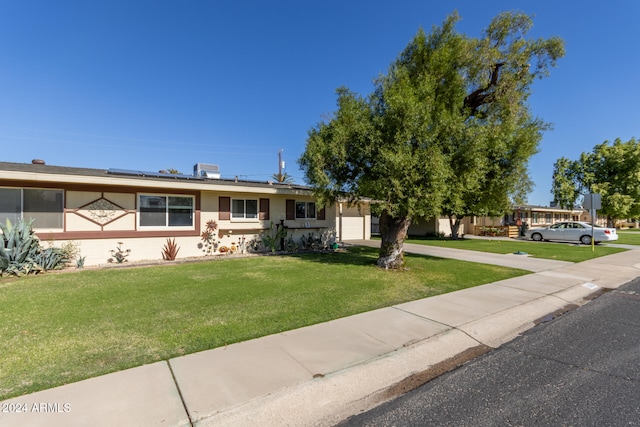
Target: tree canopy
x=611, y=170
x=446, y=131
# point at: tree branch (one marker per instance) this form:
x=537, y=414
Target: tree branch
x=478, y=97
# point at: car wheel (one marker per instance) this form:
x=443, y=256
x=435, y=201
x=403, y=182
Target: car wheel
x=585, y=240
x=537, y=237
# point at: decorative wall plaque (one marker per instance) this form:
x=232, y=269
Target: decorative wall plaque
x=102, y=211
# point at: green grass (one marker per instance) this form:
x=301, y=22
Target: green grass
x=556, y=251
x=61, y=328
x=629, y=237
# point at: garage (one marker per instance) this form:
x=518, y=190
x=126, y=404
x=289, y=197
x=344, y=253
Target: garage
x=354, y=222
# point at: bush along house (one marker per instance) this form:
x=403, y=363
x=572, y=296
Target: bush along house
x=118, y=215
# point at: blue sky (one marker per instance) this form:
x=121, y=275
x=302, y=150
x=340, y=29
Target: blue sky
x=158, y=84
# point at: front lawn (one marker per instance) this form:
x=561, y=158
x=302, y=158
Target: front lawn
x=629, y=237
x=558, y=251
x=61, y=328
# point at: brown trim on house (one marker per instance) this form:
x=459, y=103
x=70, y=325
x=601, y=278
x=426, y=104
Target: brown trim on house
x=224, y=208
x=322, y=214
x=115, y=234
x=121, y=234
x=92, y=220
x=100, y=224
x=291, y=209
x=105, y=188
x=264, y=209
x=99, y=188
x=316, y=227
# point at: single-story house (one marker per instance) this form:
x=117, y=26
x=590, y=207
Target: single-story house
x=96, y=209
x=426, y=226
x=537, y=216
x=534, y=216
x=436, y=226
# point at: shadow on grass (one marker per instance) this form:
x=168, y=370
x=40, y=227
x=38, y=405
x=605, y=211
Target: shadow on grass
x=438, y=239
x=352, y=255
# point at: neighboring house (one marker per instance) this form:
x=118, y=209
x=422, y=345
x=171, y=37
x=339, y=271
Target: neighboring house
x=98, y=208
x=535, y=216
x=436, y=227
x=426, y=227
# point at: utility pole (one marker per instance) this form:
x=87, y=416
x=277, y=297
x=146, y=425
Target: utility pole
x=280, y=164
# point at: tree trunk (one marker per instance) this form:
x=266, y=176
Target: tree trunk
x=455, y=227
x=393, y=232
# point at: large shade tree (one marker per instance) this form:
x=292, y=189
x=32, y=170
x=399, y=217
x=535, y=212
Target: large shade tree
x=446, y=131
x=611, y=170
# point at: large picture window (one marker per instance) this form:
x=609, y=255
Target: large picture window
x=165, y=211
x=244, y=209
x=44, y=206
x=305, y=210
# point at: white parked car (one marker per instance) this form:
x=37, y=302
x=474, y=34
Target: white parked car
x=573, y=231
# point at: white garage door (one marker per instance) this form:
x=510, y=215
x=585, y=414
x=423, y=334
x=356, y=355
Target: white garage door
x=352, y=228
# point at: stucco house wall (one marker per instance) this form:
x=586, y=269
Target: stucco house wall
x=433, y=226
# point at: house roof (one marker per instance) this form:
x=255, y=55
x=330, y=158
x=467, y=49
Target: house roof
x=546, y=209
x=34, y=173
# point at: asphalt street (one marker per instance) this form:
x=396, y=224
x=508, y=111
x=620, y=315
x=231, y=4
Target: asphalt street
x=579, y=369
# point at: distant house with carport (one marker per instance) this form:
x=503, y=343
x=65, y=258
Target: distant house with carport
x=534, y=216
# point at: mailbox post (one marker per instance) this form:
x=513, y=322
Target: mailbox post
x=593, y=202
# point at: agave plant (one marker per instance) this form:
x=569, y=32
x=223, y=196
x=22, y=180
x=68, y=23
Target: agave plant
x=21, y=253
x=51, y=258
x=19, y=248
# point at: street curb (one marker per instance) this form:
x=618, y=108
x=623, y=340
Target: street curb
x=328, y=400
x=325, y=401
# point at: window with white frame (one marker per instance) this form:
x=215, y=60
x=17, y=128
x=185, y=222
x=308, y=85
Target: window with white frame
x=158, y=210
x=244, y=209
x=535, y=218
x=44, y=206
x=305, y=210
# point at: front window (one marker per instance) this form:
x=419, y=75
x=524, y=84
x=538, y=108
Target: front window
x=10, y=204
x=244, y=209
x=305, y=210
x=45, y=207
x=165, y=211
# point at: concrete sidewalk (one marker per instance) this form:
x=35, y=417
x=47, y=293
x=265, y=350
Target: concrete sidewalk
x=321, y=374
x=522, y=262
